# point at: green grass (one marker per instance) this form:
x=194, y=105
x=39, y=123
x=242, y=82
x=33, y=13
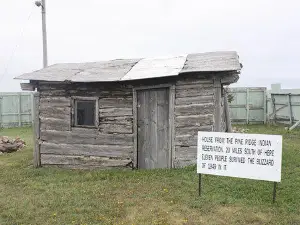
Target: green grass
x=61, y=196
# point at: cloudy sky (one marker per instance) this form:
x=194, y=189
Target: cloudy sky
x=265, y=33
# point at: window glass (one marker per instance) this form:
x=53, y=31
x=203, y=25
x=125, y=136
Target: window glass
x=85, y=113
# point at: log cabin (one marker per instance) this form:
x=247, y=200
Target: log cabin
x=129, y=113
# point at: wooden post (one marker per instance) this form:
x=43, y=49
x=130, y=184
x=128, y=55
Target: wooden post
x=247, y=105
x=135, y=129
x=274, y=107
x=227, y=114
x=20, y=110
x=274, y=192
x=265, y=106
x=1, y=122
x=290, y=109
x=172, y=125
x=217, y=96
x=36, y=131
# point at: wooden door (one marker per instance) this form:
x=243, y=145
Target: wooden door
x=153, y=128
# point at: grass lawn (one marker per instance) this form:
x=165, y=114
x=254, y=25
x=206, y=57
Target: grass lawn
x=60, y=196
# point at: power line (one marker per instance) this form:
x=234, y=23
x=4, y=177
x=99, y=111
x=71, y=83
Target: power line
x=16, y=46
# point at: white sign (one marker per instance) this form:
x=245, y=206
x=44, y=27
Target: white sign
x=253, y=156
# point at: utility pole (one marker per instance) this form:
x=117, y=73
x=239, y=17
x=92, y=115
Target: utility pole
x=42, y=4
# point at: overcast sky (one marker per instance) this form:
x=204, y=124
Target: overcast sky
x=265, y=33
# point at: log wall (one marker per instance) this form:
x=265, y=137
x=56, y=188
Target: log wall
x=194, y=111
x=108, y=146
x=112, y=144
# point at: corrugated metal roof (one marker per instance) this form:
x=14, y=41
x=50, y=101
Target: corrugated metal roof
x=133, y=69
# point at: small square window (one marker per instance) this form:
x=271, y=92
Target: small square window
x=85, y=113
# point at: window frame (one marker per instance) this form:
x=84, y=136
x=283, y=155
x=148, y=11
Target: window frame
x=75, y=99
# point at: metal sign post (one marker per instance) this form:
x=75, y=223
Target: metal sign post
x=200, y=184
x=274, y=192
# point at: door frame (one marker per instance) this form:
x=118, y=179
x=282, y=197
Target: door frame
x=171, y=88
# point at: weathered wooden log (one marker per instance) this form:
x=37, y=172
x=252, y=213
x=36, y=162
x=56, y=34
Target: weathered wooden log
x=55, y=102
x=116, y=128
x=126, y=120
x=186, y=152
x=186, y=140
x=55, y=124
x=194, y=109
x=115, y=103
x=195, y=80
x=116, y=112
x=195, y=120
x=9, y=147
x=192, y=130
x=194, y=100
x=49, y=159
x=87, y=150
x=189, y=86
x=84, y=136
x=55, y=112
x=192, y=92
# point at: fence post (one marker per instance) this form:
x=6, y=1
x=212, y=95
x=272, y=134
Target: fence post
x=290, y=109
x=32, y=109
x=265, y=99
x=1, y=111
x=247, y=105
x=274, y=107
x=19, y=110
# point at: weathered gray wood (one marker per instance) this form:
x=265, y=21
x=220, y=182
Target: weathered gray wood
x=186, y=140
x=194, y=109
x=83, y=136
x=115, y=103
x=230, y=78
x=155, y=86
x=87, y=150
x=152, y=160
x=217, y=98
x=187, y=153
x=47, y=93
x=135, y=129
x=195, y=120
x=27, y=86
x=115, y=112
x=55, y=102
x=192, y=92
x=48, y=159
x=142, y=125
x=172, y=125
x=198, y=79
x=194, y=100
x=115, y=128
x=163, y=128
x=125, y=120
x=153, y=128
x=55, y=124
x=197, y=86
x=36, y=131
x=227, y=114
x=182, y=162
x=55, y=112
x=193, y=130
